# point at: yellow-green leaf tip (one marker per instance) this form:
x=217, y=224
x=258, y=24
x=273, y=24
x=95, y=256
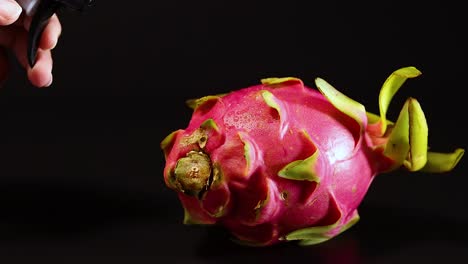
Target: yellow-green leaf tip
x=391, y=85
x=301, y=169
x=442, y=162
x=275, y=81
x=343, y=103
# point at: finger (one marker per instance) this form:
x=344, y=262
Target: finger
x=4, y=66
x=41, y=74
x=14, y=38
x=19, y=44
x=9, y=12
x=51, y=33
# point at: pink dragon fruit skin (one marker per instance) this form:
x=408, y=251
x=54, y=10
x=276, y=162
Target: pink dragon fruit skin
x=280, y=161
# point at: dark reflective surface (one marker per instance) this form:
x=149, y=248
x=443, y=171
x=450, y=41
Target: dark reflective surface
x=43, y=221
x=80, y=163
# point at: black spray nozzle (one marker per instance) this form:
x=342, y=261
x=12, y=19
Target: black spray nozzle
x=45, y=9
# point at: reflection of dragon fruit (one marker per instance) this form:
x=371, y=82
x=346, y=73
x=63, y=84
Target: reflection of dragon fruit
x=279, y=161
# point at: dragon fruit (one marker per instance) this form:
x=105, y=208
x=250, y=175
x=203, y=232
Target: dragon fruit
x=280, y=161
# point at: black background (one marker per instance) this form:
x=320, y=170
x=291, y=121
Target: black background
x=80, y=164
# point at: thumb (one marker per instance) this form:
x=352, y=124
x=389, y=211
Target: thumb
x=9, y=12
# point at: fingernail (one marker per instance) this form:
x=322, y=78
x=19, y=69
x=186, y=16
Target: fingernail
x=11, y=11
x=54, y=44
x=50, y=81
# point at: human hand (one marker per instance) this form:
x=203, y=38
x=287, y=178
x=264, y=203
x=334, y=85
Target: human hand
x=14, y=27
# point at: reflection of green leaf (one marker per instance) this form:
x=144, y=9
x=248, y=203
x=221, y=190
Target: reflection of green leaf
x=391, y=85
